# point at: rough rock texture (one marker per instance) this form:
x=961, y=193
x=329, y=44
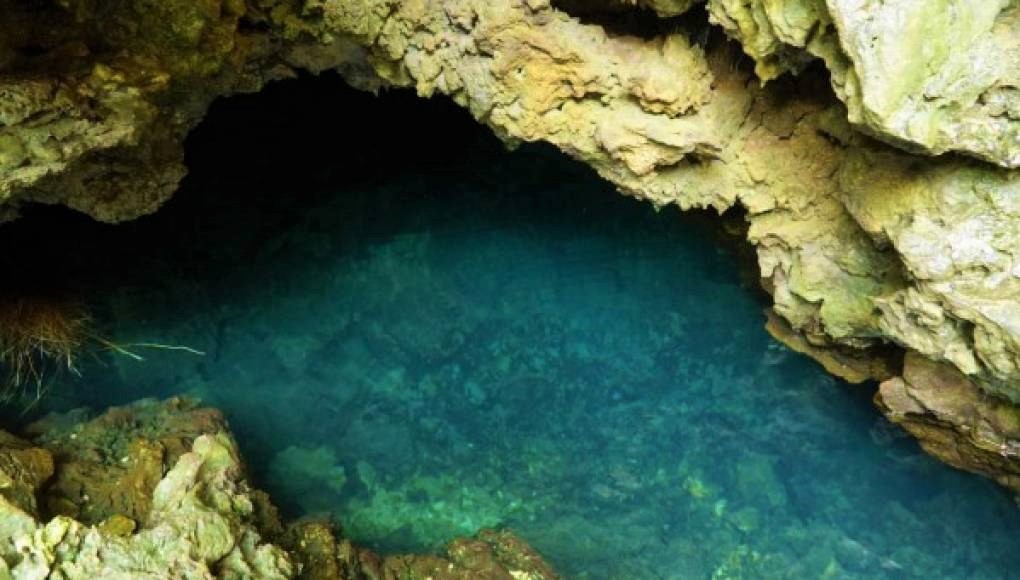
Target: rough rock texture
x=200, y=525
x=110, y=465
x=23, y=469
x=498, y=555
x=956, y=229
x=954, y=420
x=96, y=98
x=929, y=76
x=861, y=244
x=189, y=515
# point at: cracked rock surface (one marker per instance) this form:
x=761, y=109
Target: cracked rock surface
x=955, y=421
x=928, y=76
x=193, y=514
x=868, y=235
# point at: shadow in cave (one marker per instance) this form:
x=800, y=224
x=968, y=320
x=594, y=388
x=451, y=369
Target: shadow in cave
x=255, y=157
x=257, y=160
x=293, y=143
x=255, y=163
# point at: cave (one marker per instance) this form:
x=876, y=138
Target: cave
x=421, y=338
x=493, y=289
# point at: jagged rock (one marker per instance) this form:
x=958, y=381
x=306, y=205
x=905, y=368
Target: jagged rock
x=198, y=519
x=954, y=420
x=956, y=228
x=496, y=555
x=110, y=465
x=199, y=527
x=777, y=35
x=96, y=102
x=927, y=76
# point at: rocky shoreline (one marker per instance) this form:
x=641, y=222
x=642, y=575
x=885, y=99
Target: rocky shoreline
x=881, y=191
x=158, y=489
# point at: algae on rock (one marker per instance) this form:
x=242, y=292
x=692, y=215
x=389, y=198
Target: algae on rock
x=954, y=420
x=196, y=517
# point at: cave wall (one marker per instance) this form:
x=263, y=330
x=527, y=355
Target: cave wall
x=873, y=148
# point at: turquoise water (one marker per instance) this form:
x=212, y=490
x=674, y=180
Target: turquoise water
x=426, y=340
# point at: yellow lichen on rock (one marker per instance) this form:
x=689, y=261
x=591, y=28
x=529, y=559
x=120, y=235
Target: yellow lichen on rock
x=927, y=76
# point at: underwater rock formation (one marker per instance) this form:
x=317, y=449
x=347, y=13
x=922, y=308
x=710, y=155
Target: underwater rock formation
x=862, y=243
x=158, y=488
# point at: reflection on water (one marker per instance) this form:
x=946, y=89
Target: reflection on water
x=427, y=346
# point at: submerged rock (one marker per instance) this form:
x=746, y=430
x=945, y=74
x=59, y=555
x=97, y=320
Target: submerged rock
x=861, y=243
x=182, y=508
x=110, y=465
x=490, y=554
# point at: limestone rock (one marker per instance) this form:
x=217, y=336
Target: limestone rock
x=776, y=34
x=954, y=420
x=199, y=527
x=200, y=518
x=110, y=465
x=94, y=104
x=927, y=76
x=934, y=76
x=956, y=228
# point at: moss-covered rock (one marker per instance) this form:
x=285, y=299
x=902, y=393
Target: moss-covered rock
x=109, y=466
x=187, y=513
x=927, y=76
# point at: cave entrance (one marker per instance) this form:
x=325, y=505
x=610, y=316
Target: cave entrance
x=422, y=334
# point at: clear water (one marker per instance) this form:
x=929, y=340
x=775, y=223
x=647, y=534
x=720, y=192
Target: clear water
x=424, y=343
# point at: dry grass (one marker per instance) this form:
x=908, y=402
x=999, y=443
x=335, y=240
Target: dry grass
x=43, y=334
x=40, y=336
